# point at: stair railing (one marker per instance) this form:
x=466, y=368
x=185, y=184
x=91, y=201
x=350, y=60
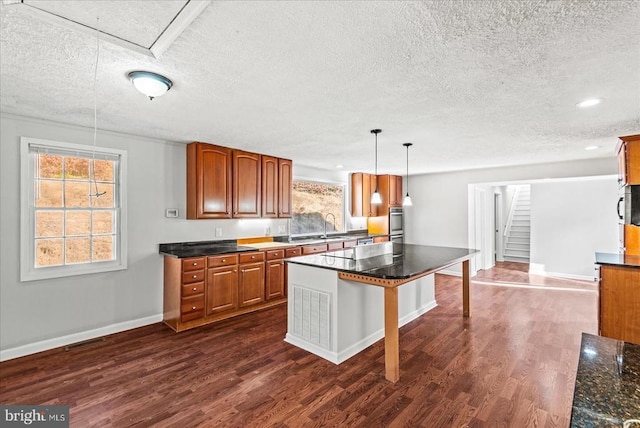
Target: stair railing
x=512, y=211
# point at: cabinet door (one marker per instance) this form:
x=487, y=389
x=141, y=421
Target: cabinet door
x=208, y=181
x=246, y=184
x=399, y=193
x=269, y=186
x=629, y=160
x=620, y=303
x=251, y=283
x=285, y=187
x=631, y=239
x=222, y=289
x=275, y=279
x=362, y=187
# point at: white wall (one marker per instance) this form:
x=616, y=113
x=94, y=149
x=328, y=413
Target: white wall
x=44, y=314
x=570, y=221
x=441, y=202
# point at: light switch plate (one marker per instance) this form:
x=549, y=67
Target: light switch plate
x=218, y=232
x=282, y=229
x=171, y=213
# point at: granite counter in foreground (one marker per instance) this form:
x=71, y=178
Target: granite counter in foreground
x=618, y=259
x=607, y=390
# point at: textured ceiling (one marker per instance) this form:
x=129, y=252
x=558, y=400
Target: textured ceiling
x=471, y=83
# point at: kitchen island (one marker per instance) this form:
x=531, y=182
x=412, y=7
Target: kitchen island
x=339, y=305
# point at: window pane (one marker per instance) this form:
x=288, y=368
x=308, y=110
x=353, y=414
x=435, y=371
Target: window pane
x=103, y=248
x=48, y=193
x=312, y=202
x=48, y=252
x=76, y=194
x=49, y=223
x=50, y=166
x=102, y=222
x=105, y=200
x=76, y=168
x=78, y=223
x=77, y=250
x=103, y=170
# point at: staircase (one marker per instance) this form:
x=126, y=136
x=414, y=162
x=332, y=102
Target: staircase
x=517, y=233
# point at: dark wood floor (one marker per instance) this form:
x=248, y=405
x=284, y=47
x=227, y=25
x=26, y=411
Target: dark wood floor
x=512, y=364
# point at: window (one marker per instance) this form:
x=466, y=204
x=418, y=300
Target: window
x=72, y=209
x=312, y=201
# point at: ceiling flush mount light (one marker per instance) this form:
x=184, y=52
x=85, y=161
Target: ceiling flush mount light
x=589, y=103
x=407, y=199
x=151, y=84
x=375, y=198
x=592, y=147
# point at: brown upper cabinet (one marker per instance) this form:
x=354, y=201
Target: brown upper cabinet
x=390, y=188
x=362, y=187
x=246, y=184
x=208, y=181
x=269, y=186
x=628, y=151
x=277, y=181
x=228, y=183
x=285, y=186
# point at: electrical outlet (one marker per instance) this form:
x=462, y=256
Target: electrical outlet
x=282, y=229
x=218, y=232
x=267, y=231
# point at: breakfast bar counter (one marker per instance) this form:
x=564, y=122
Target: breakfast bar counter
x=339, y=305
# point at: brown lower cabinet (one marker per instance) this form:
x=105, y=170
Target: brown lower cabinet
x=620, y=303
x=201, y=290
x=275, y=274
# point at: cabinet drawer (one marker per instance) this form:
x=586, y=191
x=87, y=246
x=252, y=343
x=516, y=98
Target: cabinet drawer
x=191, y=289
x=275, y=254
x=193, y=276
x=312, y=249
x=333, y=246
x=192, y=308
x=293, y=252
x=224, y=260
x=257, y=256
x=192, y=264
x=349, y=244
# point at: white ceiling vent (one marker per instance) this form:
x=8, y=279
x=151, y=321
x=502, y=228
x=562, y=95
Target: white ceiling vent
x=147, y=27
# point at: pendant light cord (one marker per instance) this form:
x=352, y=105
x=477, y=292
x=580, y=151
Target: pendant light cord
x=407, y=170
x=95, y=113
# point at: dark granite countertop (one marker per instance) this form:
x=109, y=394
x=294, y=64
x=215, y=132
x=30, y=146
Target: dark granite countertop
x=202, y=248
x=607, y=390
x=212, y=248
x=618, y=259
x=406, y=261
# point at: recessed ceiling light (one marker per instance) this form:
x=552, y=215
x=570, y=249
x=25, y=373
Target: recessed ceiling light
x=339, y=166
x=589, y=103
x=592, y=147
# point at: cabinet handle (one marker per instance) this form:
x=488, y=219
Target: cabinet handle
x=235, y=271
x=253, y=257
x=195, y=276
x=193, y=308
x=224, y=260
x=195, y=288
x=195, y=263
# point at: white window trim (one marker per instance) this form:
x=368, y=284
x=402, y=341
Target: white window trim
x=27, y=224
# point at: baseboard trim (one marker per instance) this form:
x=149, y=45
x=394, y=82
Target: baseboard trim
x=57, y=342
x=535, y=271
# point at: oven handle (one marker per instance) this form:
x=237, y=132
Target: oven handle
x=618, y=208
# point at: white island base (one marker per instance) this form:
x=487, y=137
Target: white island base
x=335, y=318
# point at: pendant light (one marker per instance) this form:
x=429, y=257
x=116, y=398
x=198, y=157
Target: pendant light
x=376, y=199
x=407, y=199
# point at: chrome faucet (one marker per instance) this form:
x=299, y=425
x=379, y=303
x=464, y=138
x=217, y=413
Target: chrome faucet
x=325, y=223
